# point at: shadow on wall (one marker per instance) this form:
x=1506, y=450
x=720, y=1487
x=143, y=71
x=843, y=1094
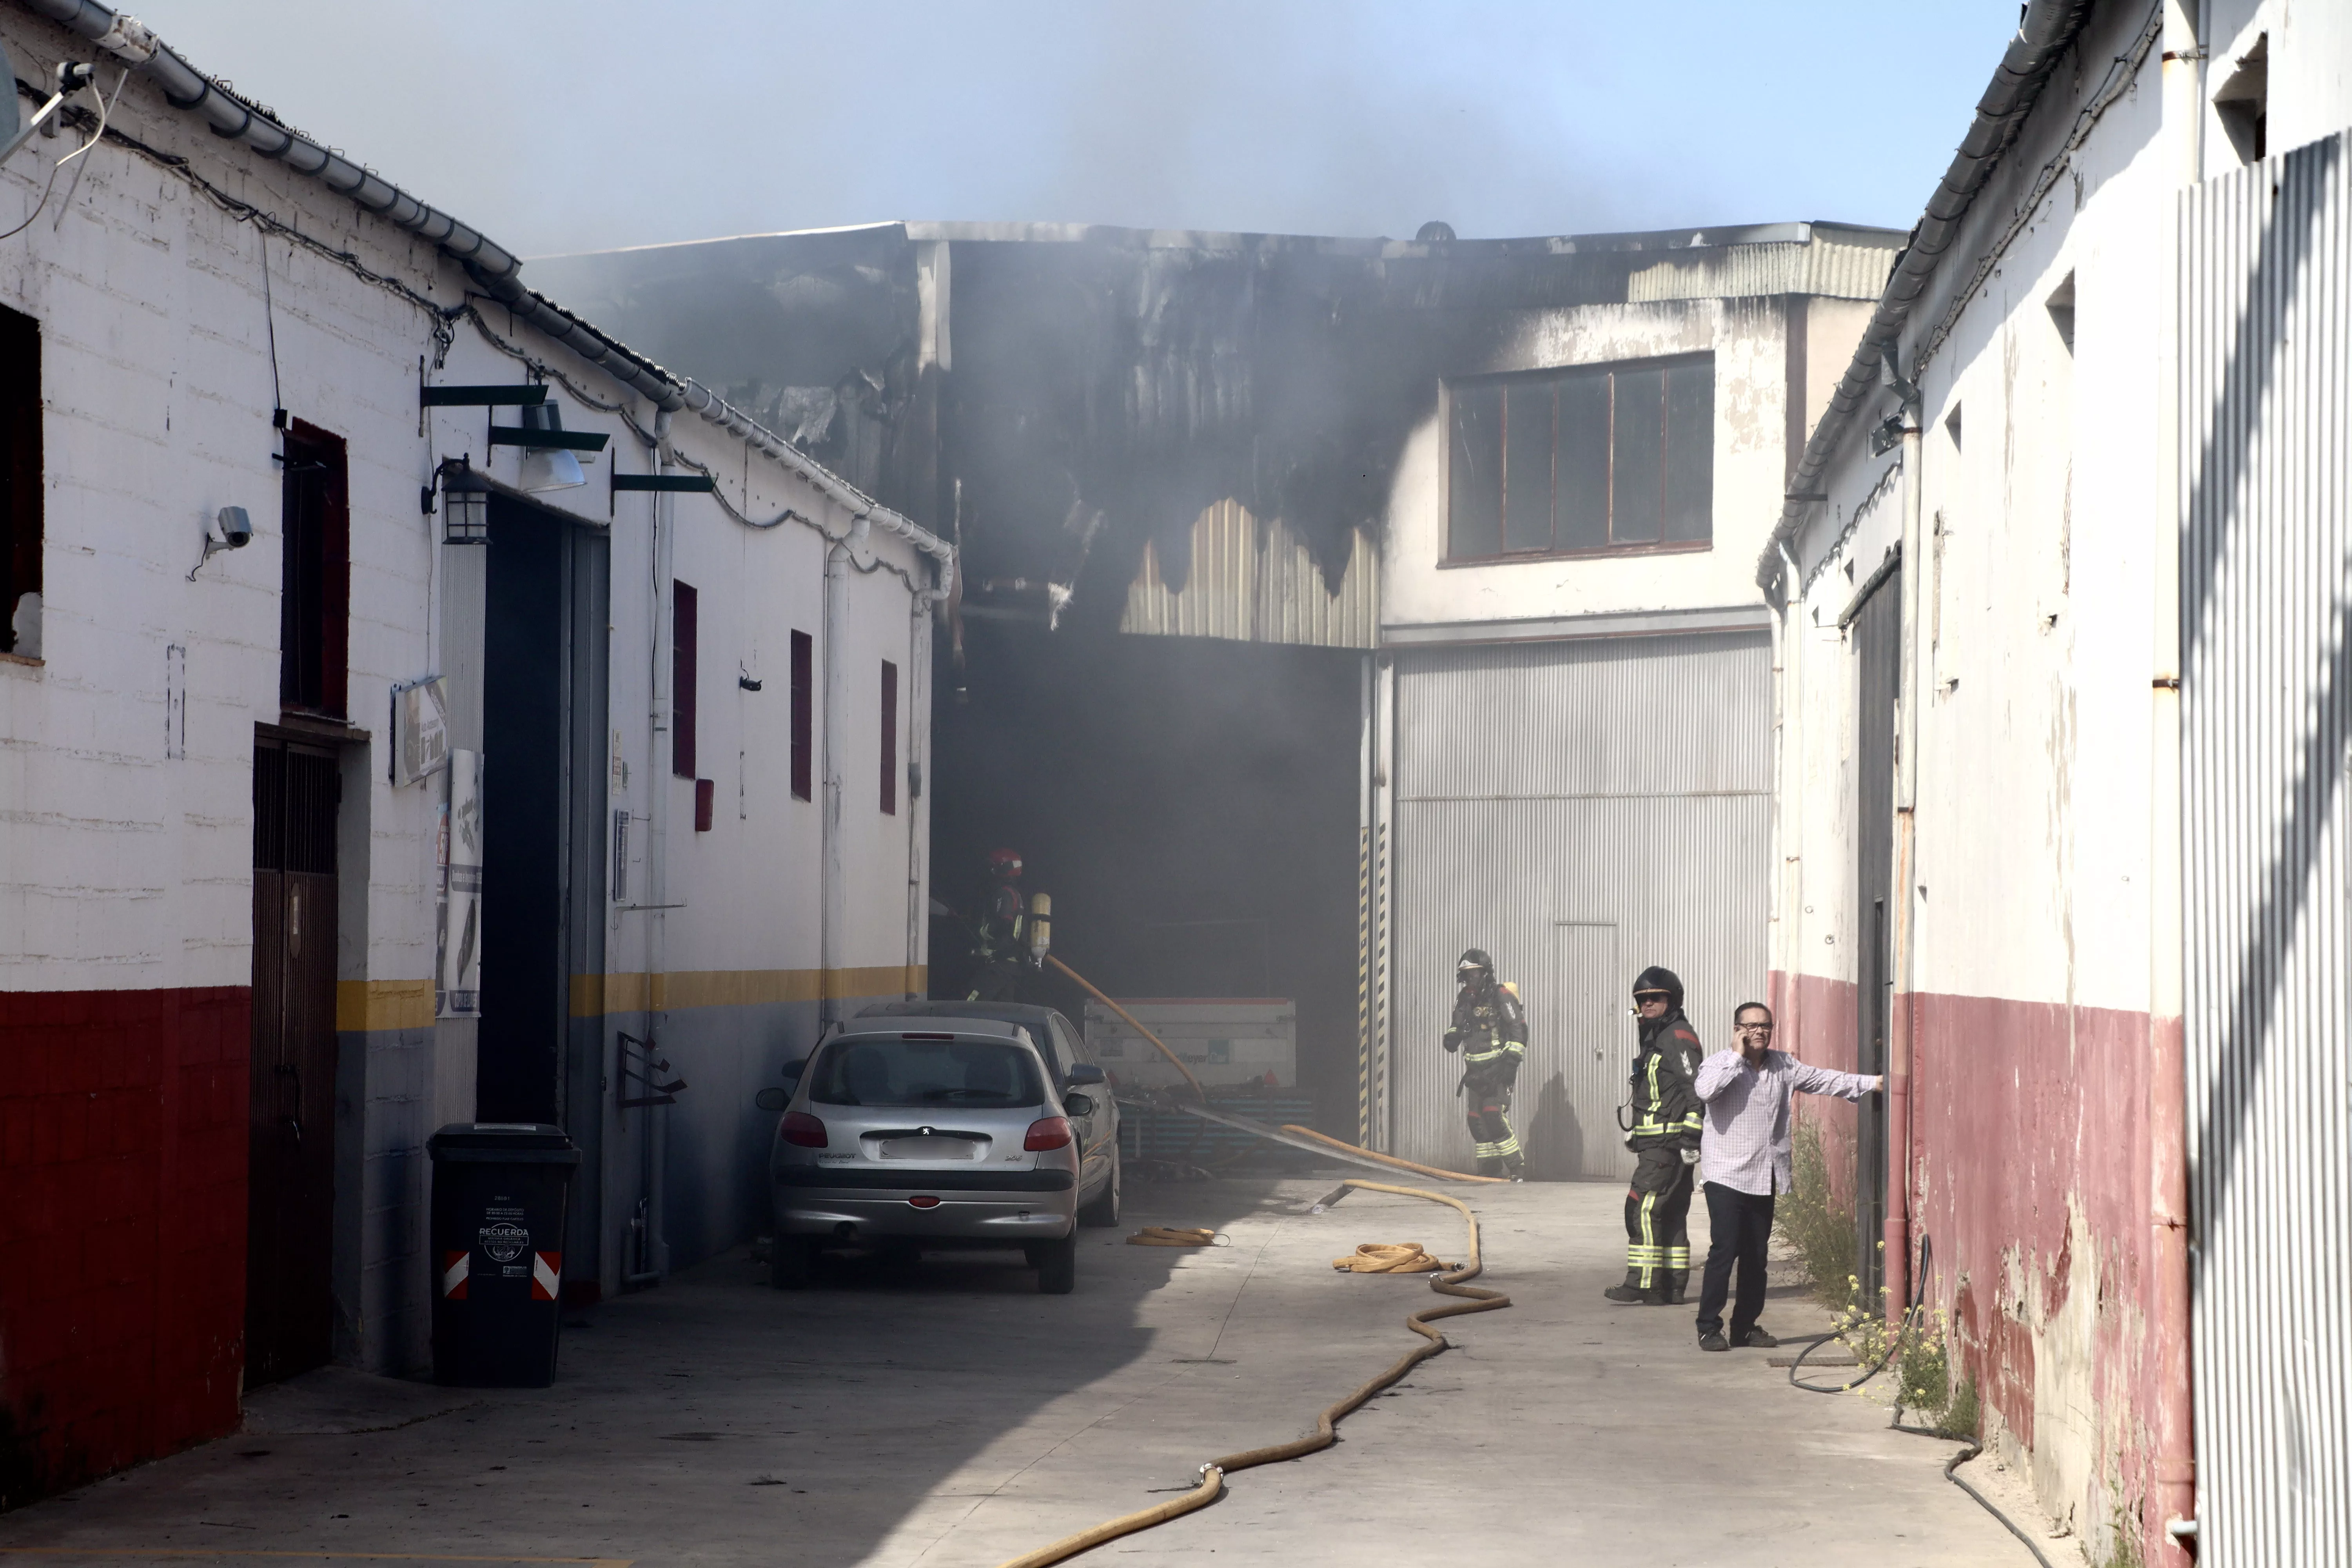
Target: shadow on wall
x=1554, y=1138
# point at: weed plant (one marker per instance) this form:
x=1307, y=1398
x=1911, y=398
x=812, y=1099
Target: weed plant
x=1814, y=1224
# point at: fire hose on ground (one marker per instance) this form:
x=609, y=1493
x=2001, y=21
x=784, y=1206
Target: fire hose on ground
x=1476, y=1298
x=1348, y=1151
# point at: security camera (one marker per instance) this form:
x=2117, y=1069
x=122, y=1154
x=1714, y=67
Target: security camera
x=230, y=529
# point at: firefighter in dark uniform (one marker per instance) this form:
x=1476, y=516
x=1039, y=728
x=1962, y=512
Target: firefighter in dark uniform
x=1665, y=1141
x=1490, y=1030
x=999, y=933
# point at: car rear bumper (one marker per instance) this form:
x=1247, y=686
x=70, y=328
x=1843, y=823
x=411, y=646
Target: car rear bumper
x=1007, y=1206
x=1044, y=1217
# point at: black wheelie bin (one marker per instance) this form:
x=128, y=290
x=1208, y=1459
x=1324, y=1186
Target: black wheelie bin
x=499, y=1191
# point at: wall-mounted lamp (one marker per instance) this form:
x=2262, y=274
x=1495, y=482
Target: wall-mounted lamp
x=465, y=504
x=547, y=461
x=549, y=467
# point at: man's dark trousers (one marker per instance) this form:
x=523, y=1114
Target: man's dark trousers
x=1742, y=1226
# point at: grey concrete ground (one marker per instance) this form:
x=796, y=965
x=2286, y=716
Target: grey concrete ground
x=951, y=1418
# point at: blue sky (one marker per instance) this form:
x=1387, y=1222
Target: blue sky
x=562, y=125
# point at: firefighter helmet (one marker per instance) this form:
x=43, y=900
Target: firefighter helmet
x=1474, y=960
x=1656, y=978
x=1004, y=864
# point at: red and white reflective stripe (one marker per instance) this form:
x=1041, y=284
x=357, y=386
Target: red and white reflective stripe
x=546, y=1276
x=454, y=1268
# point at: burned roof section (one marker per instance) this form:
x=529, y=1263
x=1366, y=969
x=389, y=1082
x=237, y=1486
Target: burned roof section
x=1055, y=397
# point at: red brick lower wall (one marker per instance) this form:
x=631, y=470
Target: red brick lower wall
x=2031, y=1172
x=123, y=1218
x=1818, y=1020
x=2030, y=1162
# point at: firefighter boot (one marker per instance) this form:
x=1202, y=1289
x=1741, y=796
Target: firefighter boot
x=1644, y=1283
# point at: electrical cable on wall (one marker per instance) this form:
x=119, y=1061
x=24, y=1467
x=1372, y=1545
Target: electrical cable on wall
x=105, y=112
x=269, y=318
x=33, y=216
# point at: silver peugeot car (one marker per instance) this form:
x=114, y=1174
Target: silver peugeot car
x=934, y=1132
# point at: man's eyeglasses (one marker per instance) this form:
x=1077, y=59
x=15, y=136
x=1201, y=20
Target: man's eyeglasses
x=1753, y=1028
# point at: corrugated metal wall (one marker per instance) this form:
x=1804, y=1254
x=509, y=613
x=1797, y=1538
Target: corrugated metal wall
x=2266, y=566
x=1254, y=581
x=1734, y=272
x=1580, y=809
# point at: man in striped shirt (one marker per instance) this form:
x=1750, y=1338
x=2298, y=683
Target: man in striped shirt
x=1743, y=1159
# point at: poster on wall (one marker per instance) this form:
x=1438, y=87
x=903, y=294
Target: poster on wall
x=459, y=843
x=420, y=730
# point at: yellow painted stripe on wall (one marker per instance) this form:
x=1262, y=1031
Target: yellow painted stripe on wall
x=593, y=995
x=365, y=1005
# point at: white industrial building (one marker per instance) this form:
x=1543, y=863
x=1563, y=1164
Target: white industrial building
x=367, y=767
x=2062, y=719
x=1566, y=754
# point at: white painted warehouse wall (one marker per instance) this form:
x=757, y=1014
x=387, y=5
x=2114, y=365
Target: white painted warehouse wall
x=121, y=869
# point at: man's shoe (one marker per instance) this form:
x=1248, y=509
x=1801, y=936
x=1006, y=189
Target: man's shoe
x=1633, y=1295
x=1757, y=1339
x=1715, y=1342
x=1678, y=1298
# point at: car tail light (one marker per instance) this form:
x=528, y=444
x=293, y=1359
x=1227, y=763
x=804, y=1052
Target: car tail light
x=923, y=1203
x=804, y=1131
x=1047, y=1133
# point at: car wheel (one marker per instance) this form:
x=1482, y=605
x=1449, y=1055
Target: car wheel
x=1102, y=1209
x=1057, y=1263
x=791, y=1262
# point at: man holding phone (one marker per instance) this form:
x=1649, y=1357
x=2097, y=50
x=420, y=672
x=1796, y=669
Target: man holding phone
x=1743, y=1159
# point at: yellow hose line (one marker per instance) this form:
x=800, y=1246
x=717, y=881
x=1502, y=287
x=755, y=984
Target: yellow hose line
x=1175, y=1235
x=1096, y=993
x=1392, y=1159
x=1213, y=1474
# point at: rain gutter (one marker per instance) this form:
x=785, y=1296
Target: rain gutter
x=2044, y=32
x=493, y=268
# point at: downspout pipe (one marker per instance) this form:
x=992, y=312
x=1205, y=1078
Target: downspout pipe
x=914, y=693
x=2173, y=1505
x=2044, y=32
x=1790, y=784
x=833, y=900
x=1903, y=1015
x=491, y=267
x=661, y=718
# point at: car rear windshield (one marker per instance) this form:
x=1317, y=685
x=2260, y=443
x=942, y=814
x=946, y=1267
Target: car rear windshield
x=926, y=1072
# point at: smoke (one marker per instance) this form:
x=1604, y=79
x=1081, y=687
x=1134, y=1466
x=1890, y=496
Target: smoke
x=598, y=124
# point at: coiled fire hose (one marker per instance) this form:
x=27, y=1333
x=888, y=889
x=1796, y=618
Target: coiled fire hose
x=1477, y=1299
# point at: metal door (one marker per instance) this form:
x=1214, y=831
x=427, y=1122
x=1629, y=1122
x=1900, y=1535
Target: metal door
x=1877, y=627
x=289, y=1304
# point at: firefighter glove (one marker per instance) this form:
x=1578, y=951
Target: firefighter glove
x=1690, y=1156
